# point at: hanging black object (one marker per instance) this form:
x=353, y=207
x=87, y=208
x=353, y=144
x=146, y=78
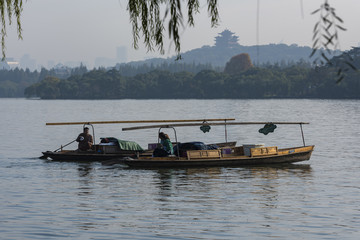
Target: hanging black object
x=205, y=128
x=268, y=128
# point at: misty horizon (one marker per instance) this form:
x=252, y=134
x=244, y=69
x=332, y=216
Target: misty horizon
x=79, y=32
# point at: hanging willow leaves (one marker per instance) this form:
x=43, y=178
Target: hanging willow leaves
x=12, y=7
x=326, y=38
x=148, y=19
x=145, y=17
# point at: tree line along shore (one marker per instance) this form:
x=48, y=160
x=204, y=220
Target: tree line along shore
x=239, y=79
x=253, y=83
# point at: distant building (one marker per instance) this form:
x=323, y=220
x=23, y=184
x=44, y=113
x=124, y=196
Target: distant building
x=13, y=64
x=27, y=62
x=9, y=63
x=121, y=54
x=226, y=39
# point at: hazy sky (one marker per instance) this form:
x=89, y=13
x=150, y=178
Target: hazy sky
x=81, y=30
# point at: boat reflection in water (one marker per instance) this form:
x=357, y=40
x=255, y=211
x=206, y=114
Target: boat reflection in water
x=262, y=184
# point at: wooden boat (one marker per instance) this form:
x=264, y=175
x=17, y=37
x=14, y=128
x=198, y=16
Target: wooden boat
x=224, y=156
x=114, y=150
x=99, y=152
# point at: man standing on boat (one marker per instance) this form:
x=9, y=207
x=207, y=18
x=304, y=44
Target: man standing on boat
x=85, y=140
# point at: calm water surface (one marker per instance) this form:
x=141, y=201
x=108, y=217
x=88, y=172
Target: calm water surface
x=318, y=199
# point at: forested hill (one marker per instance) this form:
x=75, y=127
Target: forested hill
x=274, y=82
x=218, y=56
x=227, y=45
x=263, y=54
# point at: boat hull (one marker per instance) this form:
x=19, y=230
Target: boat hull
x=175, y=162
x=86, y=156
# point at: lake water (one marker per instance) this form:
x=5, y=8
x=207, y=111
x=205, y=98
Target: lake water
x=317, y=199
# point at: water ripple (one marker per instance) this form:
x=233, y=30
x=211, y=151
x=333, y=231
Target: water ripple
x=54, y=200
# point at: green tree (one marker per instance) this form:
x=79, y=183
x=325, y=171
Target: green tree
x=49, y=88
x=238, y=64
x=295, y=81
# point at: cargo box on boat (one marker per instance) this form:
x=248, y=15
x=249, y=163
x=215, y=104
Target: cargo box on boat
x=263, y=151
x=248, y=147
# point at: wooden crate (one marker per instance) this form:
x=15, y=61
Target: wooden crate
x=239, y=151
x=196, y=154
x=107, y=148
x=263, y=151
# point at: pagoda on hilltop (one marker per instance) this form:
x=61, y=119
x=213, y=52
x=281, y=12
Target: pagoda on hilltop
x=226, y=39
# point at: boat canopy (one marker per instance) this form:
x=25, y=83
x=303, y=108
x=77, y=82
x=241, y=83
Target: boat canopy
x=217, y=124
x=209, y=124
x=143, y=121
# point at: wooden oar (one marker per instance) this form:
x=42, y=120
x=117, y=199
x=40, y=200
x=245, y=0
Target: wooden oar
x=65, y=145
x=43, y=157
x=143, y=121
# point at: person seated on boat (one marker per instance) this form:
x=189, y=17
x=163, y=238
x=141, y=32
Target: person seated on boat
x=85, y=140
x=165, y=147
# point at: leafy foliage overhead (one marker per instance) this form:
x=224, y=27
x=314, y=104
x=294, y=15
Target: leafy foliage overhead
x=145, y=16
x=146, y=19
x=326, y=37
x=12, y=7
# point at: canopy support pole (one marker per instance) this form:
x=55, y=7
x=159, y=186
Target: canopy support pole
x=225, y=133
x=302, y=134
